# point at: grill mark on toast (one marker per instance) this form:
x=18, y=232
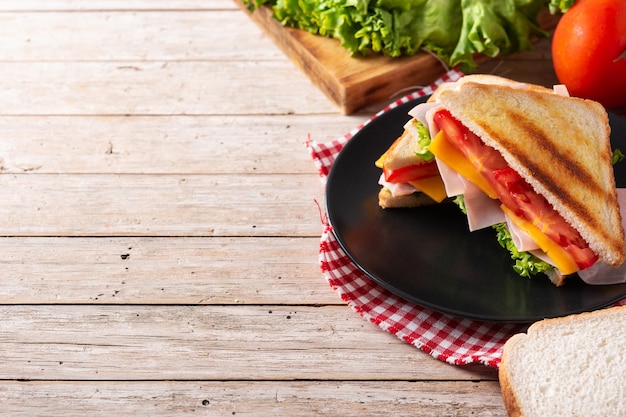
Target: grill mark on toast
x=481, y=103
x=542, y=140
x=541, y=173
x=556, y=187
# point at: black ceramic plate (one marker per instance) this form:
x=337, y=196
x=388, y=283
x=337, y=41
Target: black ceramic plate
x=428, y=256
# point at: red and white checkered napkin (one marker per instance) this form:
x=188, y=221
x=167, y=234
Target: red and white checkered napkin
x=451, y=339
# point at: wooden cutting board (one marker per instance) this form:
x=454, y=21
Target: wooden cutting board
x=352, y=83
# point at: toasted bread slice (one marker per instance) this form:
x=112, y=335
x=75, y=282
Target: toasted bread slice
x=403, y=151
x=559, y=145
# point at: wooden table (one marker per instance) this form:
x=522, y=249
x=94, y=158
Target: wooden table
x=159, y=227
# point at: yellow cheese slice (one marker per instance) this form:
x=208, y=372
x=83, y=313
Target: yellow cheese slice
x=559, y=256
x=381, y=161
x=454, y=158
x=433, y=187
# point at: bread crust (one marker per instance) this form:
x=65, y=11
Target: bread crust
x=511, y=403
x=489, y=80
x=402, y=152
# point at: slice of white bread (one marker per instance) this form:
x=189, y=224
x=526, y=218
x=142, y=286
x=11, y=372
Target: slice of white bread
x=559, y=145
x=403, y=151
x=568, y=366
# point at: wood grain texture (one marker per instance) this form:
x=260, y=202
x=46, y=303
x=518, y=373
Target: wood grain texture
x=194, y=271
x=125, y=5
x=157, y=88
x=116, y=34
x=159, y=234
x=231, y=144
x=252, y=398
x=232, y=342
x=160, y=205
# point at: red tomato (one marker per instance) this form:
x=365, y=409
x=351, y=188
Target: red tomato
x=411, y=172
x=513, y=191
x=589, y=51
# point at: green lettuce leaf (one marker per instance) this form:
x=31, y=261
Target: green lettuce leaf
x=526, y=264
x=454, y=30
x=423, y=140
x=560, y=5
x=495, y=27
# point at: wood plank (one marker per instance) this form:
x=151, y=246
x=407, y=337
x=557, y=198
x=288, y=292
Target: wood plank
x=217, y=271
x=252, y=398
x=160, y=205
x=145, y=145
x=158, y=88
x=127, y=5
x=147, y=35
x=134, y=342
x=351, y=83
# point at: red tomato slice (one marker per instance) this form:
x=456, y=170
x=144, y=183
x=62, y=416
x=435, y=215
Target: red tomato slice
x=514, y=192
x=411, y=172
x=483, y=157
x=517, y=195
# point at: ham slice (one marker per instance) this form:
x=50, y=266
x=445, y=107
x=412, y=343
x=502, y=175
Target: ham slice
x=523, y=242
x=482, y=211
x=561, y=90
x=419, y=112
x=452, y=180
x=397, y=188
x=600, y=273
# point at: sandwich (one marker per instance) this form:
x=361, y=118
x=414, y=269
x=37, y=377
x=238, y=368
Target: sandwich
x=533, y=163
x=410, y=177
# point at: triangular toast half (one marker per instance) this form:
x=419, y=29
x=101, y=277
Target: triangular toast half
x=403, y=152
x=560, y=145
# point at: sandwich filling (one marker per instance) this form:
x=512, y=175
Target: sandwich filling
x=495, y=193
x=547, y=189
x=408, y=167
